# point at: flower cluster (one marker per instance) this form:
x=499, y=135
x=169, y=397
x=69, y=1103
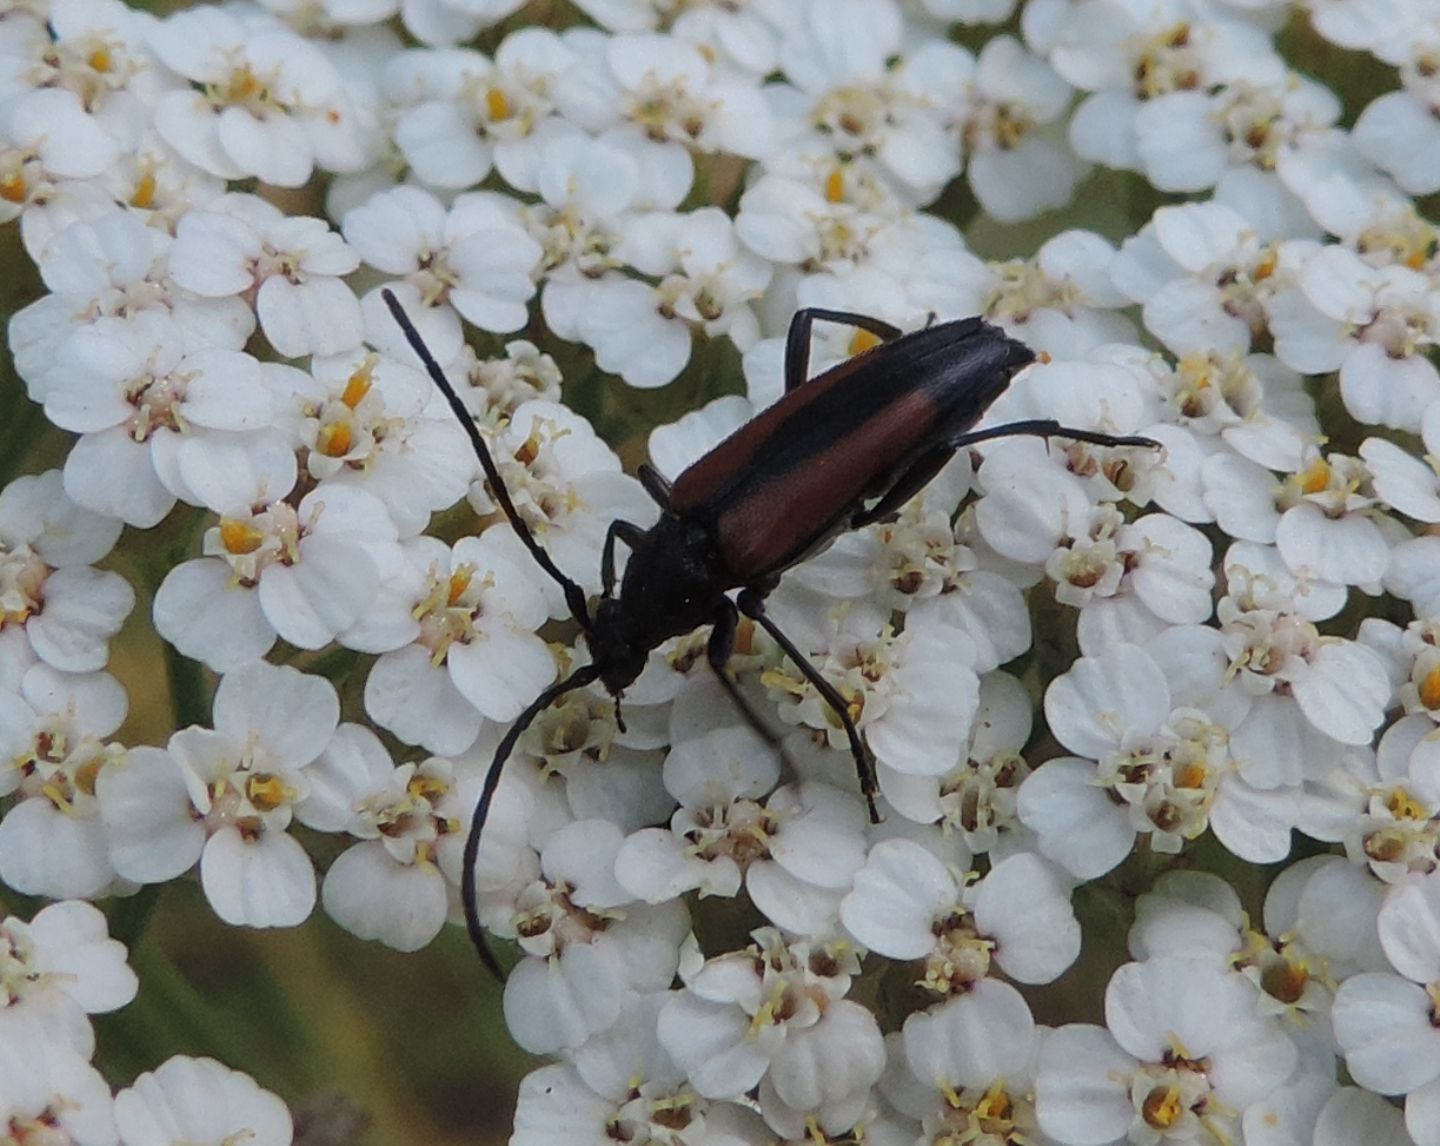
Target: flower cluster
x=1087, y=674
x=58, y=969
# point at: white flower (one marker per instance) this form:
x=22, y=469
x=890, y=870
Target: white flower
x=706, y=282
x=1132, y=58
x=843, y=95
x=50, y=1091
x=909, y=905
x=291, y=267
x=112, y=266
x=1203, y=275
x=1183, y=1057
x=666, y=89
x=1397, y=131
x=67, y=610
x=457, y=633
x=1374, y=324
x=776, y=1012
x=226, y=797
x=135, y=393
x=968, y=1065
x=1061, y=302
x=1380, y=1025
x=588, y=945
x=61, y=965
x=623, y=1080
x=390, y=886
x=1004, y=121
x=460, y=113
x=52, y=752
x=475, y=258
x=303, y=573
x=267, y=103
x=370, y=422
x=1276, y=655
x=199, y=1102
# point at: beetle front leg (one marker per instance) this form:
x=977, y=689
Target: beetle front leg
x=625, y=531
x=797, y=341
x=752, y=604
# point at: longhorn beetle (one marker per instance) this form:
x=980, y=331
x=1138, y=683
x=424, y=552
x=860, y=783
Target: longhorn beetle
x=836, y=452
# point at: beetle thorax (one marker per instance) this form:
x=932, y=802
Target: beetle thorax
x=674, y=582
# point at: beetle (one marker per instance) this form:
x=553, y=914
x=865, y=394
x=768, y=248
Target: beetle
x=836, y=452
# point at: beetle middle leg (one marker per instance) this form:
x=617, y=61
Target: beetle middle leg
x=718, y=651
x=797, y=341
x=752, y=604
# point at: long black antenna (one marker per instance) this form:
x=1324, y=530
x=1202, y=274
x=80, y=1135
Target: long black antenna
x=582, y=676
x=574, y=595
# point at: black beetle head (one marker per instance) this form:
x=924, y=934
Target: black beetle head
x=619, y=658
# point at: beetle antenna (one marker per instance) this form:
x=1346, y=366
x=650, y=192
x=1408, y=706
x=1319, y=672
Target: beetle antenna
x=582, y=676
x=574, y=595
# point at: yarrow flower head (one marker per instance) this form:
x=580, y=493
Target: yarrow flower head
x=1129, y=674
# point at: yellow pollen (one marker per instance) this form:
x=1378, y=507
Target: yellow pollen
x=239, y=537
x=459, y=583
x=244, y=85
x=266, y=792
x=863, y=340
x=497, y=106
x=56, y=795
x=1430, y=689
x=1316, y=478
x=995, y=1104
x=100, y=60
x=86, y=775
x=334, y=440
x=357, y=387
x=426, y=787
x=1191, y=776
x=1265, y=267
x=143, y=197
x=835, y=186
x=13, y=189
x=1161, y=1108
x=765, y=1016
x=1404, y=806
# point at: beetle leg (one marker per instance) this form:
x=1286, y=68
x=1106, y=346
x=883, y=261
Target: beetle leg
x=656, y=484
x=906, y=486
x=1049, y=428
x=752, y=604
x=797, y=342
x=625, y=531
x=717, y=652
